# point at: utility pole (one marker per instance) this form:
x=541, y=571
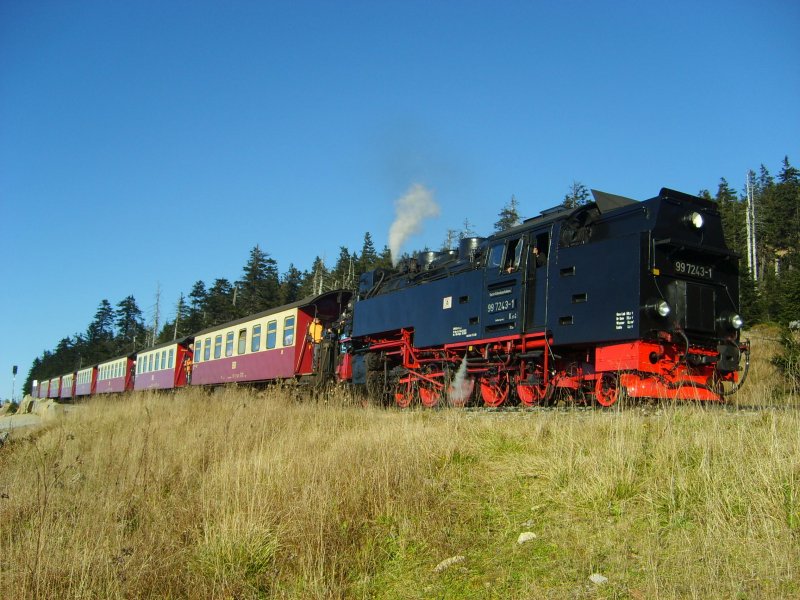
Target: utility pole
x=156, y=313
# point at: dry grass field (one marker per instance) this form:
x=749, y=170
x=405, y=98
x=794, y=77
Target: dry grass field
x=245, y=494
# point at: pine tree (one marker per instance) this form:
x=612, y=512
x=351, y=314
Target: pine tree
x=315, y=281
x=258, y=288
x=578, y=195
x=291, y=284
x=130, y=326
x=450, y=239
x=344, y=274
x=509, y=216
x=100, y=333
x=219, y=303
x=197, y=307
x=466, y=231
x=369, y=257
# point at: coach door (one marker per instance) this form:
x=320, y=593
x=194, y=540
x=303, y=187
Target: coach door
x=503, y=285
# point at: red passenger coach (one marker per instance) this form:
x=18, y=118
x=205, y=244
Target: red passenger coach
x=115, y=375
x=266, y=346
x=86, y=382
x=164, y=367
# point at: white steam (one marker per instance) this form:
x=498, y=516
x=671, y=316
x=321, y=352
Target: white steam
x=460, y=389
x=417, y=205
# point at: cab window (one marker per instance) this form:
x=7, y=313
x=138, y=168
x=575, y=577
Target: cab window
x=513, y=256
x=495, y=259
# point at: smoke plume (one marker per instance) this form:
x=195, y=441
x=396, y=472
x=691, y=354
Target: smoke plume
x=412, y=209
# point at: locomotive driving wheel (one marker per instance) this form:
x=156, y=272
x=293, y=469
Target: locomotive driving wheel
x=607, y=389
x=404, y=392
x=495, y=389
x=534, y=394
x=429, y=395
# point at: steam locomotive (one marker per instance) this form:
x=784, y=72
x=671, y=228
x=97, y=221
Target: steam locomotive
x=614, y=299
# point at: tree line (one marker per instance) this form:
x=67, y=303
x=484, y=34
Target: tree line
x=116, y=330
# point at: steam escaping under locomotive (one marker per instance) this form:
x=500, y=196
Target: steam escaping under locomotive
x=615, y=299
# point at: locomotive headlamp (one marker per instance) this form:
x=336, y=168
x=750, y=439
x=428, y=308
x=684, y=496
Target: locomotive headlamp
x=731, y=321
x=660, y=308
x=694, y=219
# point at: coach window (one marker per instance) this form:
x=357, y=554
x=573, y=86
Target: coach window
x=207, y=351
x=255, y=342
x=171, y=359
x=229, y=344
x=495, y=259
x=163, y=359
x=242, y=345
x=198, y=351
x=272, y=332
x=218, y=346
x=288, y=331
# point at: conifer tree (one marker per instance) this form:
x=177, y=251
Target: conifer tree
x=291, y=284
x=578, y=195
x=198, y=297
x=369, y=257
x=100, y=333
x=219, y=303
x=257, y=290
x=509, y=216
x=130, y=326
x=344, y=274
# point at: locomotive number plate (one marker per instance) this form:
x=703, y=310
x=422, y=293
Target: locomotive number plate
x=693, y=270
x=501, y=305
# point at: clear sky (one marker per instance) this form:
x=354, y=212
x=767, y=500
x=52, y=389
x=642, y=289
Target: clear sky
x=148, y=144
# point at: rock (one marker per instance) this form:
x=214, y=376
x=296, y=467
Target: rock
x=526, y=536
x=448, y=562
x=598, y=579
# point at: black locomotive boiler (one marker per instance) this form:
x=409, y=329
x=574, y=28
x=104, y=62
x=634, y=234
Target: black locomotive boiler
x=616, y=298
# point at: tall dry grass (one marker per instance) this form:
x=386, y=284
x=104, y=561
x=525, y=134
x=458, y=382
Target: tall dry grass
x=255, y=495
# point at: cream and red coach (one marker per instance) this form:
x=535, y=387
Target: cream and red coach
x=163, y=367
x=86, y=381
x=269, y=345
x=116, y=375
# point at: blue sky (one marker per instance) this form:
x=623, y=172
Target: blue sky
x=147, y=145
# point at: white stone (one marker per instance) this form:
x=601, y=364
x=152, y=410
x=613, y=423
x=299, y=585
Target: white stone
x=598, y=579
x=448, y=562
x=526, y=536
